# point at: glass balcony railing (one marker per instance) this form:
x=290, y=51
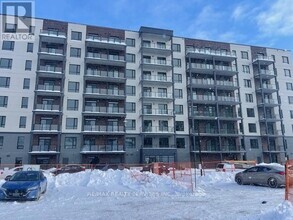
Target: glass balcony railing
x=48, y=68
x=47, y=107
x=53, y=33
x=103, y=128
x=157, y=95
x=105, y=56
x=54, y=51
x=211, y=52
x=100, y=109
x=158, y=129
x=156, y=46
x=114, y=92
x=111, y=40
x=52, y=88
x=46, y=127
x=156, y=62
x=157, y=78
x=157, y=112
x=102, y=73
x=102, y=148
x=44, y=148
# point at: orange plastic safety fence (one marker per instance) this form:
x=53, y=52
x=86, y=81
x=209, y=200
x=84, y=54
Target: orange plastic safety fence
x=289, y=181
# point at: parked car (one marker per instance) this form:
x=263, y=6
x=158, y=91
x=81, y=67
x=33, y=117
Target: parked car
x=267, y=175
x=74, y=168
x=10, y=172
x=223, y=167
x=24, y=185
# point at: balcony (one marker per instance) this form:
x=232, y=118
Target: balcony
x=267, y=102
x=263, y=60
x=228, y=132
x=157, y=49
x=157, y=95
x=105, y=93
x=51, y=90
x=228, y=100
x=156, y=64
x=227, y=85
x=265, y=74
x=89, y=149
x=228, y=116
x=50, y=71
x=267, y=88
x=160, y=80
x=53, y=36
x=203, y=68
x=201, y=83
x=205, y=115
x=51, y=54
x=273, y=149
x=225, y=70
x=41, y=149
x=46, y=127
x=202, y=98
x=210, y=54
x=104, y=111
x=158, y=129
x=47, y=108
x=105, y=59
x=108, y=129
x=270, y=132
x=106, y=43
x=105, y=76
x=205, y=131
x=269, y=117
x=157, y=112
x=230, y=148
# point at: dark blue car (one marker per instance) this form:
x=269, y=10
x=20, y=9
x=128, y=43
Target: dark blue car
x=24, y=185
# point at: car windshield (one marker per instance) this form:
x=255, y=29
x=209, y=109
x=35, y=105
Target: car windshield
x=25, y=176
x=220, y=165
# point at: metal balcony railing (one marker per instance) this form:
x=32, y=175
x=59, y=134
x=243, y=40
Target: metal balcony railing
x=156, y=62
x=52, y=88
x=102, y=73
x=211, y=52
x=45, y=127
x=54, y=51
x=48, y=107
x=102, y=148
x=105, y=56
x=103, y=128
x=111, y=40
x=157, y=78
x=157, y=112
x=99, y=91
x=100, y=109
x=157, y=95
x=44, y=148
x=158, y=129
x=53, y=33
x=48, y=68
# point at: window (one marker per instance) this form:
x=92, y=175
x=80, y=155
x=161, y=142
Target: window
x=24, y=102
x=130, y=74
x=130, y=42
x=30, y=47
x=177, y=62
x=26, y=83
x=5, y=63
x=291, y=113
x=250, y=112
x=130, y=58
x=252, y=127
x=130, y=90
x=287, y=72
x=130, y=124
x=20, y=142
x=71, y=123
x=180, y=142
x=290, y=98
x=73, y=86
x=245, y=69
x=1, y=141
x=178, y=93
x=8, y=45
x=4, y=82
x=177, y=78
x=254, y=143
x=285, y=59
x=289, y=86
x=176, y=47
x=3, y=101
x=74, y=69
x=70, y=142
x=75, y=52
x=130, y=107
x=248, y=97
x=11, y=28
x=247, y=83
x=179, y=125
x=28, y=65
x=130, y=142
x=22, y=122
x=32, y=29
x=244, y=55
x=161, y=45
x=2, y=121
x=179, y=109
x=72, y=105
x=76, y=35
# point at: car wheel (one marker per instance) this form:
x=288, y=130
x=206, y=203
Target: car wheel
x=272, y=182
x=239, y=180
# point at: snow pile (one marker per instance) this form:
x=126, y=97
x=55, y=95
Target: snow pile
x=117, y=181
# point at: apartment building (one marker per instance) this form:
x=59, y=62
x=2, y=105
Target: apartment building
x=78, y=92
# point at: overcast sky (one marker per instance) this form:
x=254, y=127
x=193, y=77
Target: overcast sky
x=254, y=22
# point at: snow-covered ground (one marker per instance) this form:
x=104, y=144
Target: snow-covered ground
x=133, y=195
